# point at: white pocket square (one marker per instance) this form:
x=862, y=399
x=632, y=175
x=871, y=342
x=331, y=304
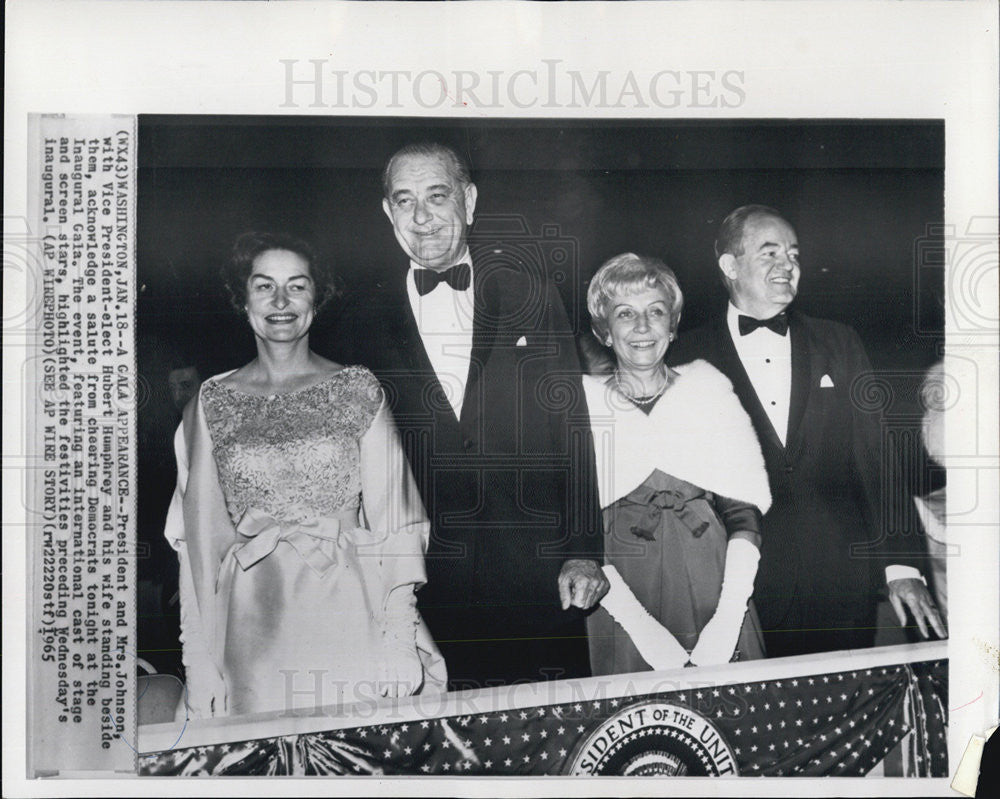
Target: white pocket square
x=825, y=382
x=522, y=342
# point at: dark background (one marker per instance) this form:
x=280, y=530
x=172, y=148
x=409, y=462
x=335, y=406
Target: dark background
x=861, y=196
x=866, y=199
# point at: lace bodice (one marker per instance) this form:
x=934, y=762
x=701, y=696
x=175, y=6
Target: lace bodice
x=294, y=456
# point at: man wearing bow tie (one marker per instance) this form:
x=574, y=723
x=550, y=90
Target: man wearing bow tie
x=823, y=557
x=478, y=359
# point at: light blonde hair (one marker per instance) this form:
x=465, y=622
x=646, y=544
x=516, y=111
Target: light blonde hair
x=629, y=273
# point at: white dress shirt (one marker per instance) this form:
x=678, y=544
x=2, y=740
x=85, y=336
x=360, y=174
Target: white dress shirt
x=444, y=318
x=767, y=358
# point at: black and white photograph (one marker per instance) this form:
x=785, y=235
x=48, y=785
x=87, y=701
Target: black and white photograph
x=463, y=397
x=610, y=397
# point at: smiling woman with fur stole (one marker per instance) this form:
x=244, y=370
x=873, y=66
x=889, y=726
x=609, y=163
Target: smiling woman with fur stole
x=682, y=485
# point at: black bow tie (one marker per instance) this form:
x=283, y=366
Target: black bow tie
x=458, y=277
x=779, y=324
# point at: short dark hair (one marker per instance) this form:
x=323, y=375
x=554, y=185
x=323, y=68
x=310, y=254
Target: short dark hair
x=250, y=245
x=730, y=238
x=458, y=165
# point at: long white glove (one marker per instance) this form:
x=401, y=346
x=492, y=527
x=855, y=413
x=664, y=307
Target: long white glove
x=717, y=641
x=401, y=672
x=205, y=694
x=655, y=642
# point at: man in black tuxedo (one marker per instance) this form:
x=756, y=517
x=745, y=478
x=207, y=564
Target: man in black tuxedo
x=478, y=361
x=824, y=557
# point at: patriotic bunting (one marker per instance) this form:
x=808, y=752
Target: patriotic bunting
x=837, y=724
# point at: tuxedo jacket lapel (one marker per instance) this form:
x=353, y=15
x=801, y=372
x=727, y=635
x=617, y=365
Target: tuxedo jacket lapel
x=801, y=382
x=406, y=340
x=733, y=366
x=484, y=333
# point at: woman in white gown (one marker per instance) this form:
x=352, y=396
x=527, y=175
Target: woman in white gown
x=682, y=485
x=298, y=526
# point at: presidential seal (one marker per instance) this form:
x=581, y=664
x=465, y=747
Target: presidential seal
x=654, y=739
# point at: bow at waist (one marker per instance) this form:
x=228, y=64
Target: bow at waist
x=641, y=511
x=316, y=542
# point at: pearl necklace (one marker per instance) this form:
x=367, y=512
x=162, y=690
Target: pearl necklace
x=643, y=401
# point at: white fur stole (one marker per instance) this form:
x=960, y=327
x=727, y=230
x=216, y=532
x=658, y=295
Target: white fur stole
x=698, y=432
